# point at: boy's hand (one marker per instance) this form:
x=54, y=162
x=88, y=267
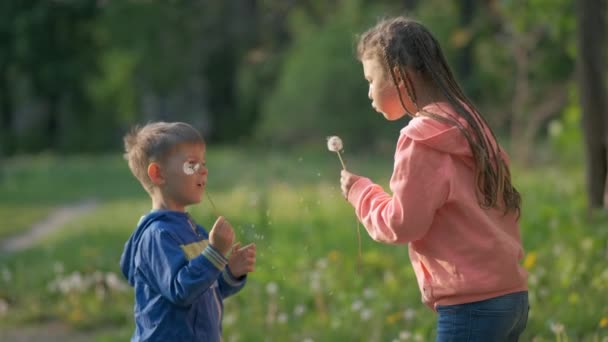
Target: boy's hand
x=242, y=260
x=221, y=236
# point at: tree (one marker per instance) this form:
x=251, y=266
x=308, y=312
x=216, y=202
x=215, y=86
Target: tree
x=591, y=19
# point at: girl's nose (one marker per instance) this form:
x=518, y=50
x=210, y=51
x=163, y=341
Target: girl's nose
x=203, y=170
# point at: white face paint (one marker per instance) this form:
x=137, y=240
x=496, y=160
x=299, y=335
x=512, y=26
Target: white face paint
x=191, y=167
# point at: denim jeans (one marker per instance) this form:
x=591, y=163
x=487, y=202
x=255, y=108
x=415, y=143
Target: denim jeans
x=496, y=319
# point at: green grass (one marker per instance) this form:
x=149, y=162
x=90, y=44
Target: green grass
x=306, y=283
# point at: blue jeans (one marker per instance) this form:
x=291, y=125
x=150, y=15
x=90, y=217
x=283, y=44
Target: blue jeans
x=496, y=319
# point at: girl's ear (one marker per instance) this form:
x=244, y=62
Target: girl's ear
x=155, y=174
x=398, y=77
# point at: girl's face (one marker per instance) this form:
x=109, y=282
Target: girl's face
x=185, y=176
x=383, y=93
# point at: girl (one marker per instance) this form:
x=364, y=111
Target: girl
x=452, y=199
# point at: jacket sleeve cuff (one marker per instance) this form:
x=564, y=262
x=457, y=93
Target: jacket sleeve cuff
x=356, y=190
x=231, y=279
x=215, y=257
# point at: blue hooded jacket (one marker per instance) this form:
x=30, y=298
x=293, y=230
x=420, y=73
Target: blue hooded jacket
x=180, y=280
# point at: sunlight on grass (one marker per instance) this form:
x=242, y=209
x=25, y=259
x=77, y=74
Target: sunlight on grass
x=306, y=284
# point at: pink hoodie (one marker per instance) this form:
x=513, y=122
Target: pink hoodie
x=460, y=252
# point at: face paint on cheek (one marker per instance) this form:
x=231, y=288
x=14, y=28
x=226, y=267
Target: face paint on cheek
x=191, y=168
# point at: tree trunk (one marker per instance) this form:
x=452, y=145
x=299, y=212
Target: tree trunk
x=590, y=63
x=465, y=55
x=6, y=115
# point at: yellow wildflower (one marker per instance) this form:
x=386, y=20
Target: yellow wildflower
x=604, y=322
x=530, y=260
x=393, y=318
x=333, y=256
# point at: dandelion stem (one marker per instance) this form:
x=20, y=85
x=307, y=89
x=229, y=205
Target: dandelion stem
x=213, y=207
x=341, y=161
x=359, y=240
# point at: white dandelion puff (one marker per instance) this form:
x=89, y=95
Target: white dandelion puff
x=334, y=144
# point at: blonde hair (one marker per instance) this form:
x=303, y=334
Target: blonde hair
x=154, y=142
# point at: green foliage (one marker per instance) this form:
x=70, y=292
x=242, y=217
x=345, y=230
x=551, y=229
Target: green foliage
x=565, y=136
x=321, y=90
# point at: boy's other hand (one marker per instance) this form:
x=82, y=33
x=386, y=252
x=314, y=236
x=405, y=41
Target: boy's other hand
x=242, y=260
x=221, y=236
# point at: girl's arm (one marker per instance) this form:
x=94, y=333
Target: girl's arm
x=420, y=186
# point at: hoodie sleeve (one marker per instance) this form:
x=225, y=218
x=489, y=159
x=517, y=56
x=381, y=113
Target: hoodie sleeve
x=419, y=186
x=229, y=284
x=166, y=267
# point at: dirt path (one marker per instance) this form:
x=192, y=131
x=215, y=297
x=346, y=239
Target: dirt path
x=54, y=221
x=48, y=332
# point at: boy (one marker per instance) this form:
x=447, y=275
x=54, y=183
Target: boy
x=180, y=273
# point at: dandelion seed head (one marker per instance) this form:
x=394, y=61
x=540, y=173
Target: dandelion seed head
x=334, y=143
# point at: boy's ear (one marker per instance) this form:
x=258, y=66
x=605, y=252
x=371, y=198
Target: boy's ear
x=155, y=174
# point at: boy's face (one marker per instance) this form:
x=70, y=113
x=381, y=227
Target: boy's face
x=185, y=175
x=382, y=90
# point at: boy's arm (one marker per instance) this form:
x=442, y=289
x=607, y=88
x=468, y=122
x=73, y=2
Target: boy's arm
x=230, y=284
x=167, y=269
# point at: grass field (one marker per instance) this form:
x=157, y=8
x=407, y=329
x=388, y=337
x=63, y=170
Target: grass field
x=306, y=286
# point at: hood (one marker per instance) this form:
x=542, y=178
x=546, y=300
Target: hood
x=440, y=136
x=127, y=260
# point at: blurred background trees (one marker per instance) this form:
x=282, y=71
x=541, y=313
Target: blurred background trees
x=74, y=75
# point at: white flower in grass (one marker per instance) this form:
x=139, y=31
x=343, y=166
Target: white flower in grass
x=334, y=143
x=409, y=314
x=229, y=319
x=272, y=288
x=7, y=276
x=299, y=310
x=282, y=318
x=357, y=305
x=3, y=307
x=315, y=280
x=557, y=328
x=115, y=283
x=405, y=335
x=366, y=314
x=368, y=293
x=418, y=337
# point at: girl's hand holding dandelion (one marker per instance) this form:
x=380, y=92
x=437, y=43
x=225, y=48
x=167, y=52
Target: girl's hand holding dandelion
x=347, y=179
